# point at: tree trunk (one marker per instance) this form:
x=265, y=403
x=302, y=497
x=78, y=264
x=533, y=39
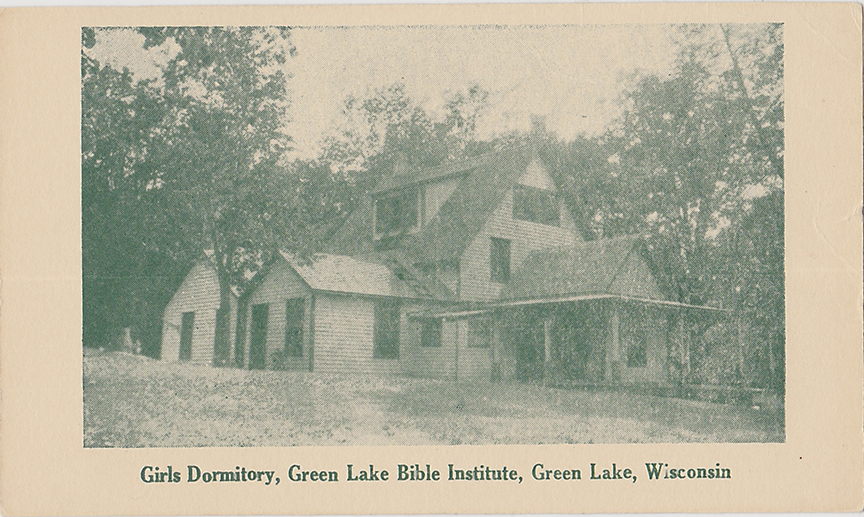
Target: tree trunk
x=240, y=334
x=222, y=334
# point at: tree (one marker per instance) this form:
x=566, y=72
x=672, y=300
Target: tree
x=127, y=274
x=226, y=94
x=695, y=164
x=180, y=164
x=388, y=131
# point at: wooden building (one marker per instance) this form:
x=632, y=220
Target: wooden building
x=189, y=319
x=527, y=298
x=471, y=270
x=330, y=313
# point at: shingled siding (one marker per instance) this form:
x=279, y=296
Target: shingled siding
x=343, y=336
x=441, y=362
x=280, y=285
x=474, y=282
x=432, y=362
x=199, y=293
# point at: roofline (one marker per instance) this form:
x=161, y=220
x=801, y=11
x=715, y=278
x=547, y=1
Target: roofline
x=560, y=299
x=467, y=164
x=209, y=260
x=376, y=296
x=284, y=256
x=376, y=192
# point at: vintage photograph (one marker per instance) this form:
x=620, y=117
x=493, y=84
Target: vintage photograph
x=432, y=235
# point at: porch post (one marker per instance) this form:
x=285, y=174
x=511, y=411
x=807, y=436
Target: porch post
x=682, y=337
x=547, y=348
x=613, y=372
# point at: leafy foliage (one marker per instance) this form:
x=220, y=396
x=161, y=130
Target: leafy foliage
x=695, y=164
x=130, y=247
x=190, y=163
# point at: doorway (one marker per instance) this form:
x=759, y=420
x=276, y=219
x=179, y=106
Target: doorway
x=258, y=338
x=187, y=327
x=527, y=338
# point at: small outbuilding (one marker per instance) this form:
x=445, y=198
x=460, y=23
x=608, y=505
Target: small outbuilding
x=189, y=319
x=329, y=313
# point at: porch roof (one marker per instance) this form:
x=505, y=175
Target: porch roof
x=584, y=268
x=493, y=306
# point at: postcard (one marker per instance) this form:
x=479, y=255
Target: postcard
x=414, y=259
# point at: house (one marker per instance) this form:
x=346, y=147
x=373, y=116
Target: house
x=189, y=319
x=470, y=270
x=330, y=313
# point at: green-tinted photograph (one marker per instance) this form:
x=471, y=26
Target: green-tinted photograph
x=432, y=235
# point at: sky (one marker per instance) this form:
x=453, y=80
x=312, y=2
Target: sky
x=570, y=75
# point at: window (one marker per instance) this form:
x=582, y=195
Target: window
x=535, y=205
x=396, y=214
x=480, y=333
x=499, y=260
x=430, y=334
x=386, y=330
x=295, y=309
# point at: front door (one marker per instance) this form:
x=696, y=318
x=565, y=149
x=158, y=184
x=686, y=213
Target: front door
x=527, y=338
x=187, y=327
x=258, y=338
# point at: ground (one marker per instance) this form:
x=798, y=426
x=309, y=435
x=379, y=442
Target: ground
x=132, y=401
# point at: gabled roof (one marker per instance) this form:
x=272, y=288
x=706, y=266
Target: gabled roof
x=586, y=268
x=444, y=238
x=354, y=237
x=415, y=176
x=425, y=283
x=343, y=274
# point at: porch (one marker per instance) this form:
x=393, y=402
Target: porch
x=591, y=341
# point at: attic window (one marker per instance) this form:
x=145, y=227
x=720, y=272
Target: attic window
x=535, y=205
x=396, y=214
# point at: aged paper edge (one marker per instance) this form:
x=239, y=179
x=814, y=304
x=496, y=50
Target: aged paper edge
x=46, y=471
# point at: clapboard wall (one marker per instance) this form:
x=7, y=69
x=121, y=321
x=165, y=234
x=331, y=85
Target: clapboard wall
x=344, y=329
x=475, y=283
x=279, y=285
x=433, y=362
x=199, y=293
x=468, y=361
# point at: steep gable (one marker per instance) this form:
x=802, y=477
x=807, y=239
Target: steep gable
x=605, y=266
x=467, y=209
x=482, y=183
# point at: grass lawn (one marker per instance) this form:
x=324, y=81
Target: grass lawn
x=132, y=401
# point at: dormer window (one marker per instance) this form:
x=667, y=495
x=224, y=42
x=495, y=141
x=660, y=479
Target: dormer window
x=397, y=213
x=535, y=205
